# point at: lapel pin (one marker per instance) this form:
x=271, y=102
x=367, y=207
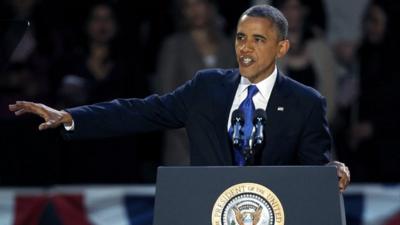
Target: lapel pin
x=280, y=108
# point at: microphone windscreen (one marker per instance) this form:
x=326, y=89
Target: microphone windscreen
x=237, y=115
x=259, y=115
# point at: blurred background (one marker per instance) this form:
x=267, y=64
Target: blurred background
x=82, y=52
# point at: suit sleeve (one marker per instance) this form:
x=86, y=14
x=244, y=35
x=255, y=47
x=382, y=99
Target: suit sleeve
x=315, y=143
x=127, y=116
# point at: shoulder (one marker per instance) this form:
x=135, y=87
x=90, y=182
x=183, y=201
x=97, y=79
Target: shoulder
x=215, y=77
x=301, y=91
x=216, y=74
x=305, y=101
x=207, y=79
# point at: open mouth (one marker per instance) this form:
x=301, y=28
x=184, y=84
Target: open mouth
x=246, y=60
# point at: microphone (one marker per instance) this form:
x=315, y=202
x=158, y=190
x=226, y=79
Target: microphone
x=259, y=120
x=237, y=122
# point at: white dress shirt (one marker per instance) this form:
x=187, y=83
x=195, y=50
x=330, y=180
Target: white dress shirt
x=260, y=99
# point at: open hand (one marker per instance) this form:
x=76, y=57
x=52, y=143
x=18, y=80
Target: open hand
x=52, y=117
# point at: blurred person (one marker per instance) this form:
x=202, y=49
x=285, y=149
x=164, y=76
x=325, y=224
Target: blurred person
x=372, y=63
x=310, y=59
x=199, y=43
x=347, y=100
x=348, y=90
x=95, y=72
x=343, y=32
x=374, y=136
x=27, y=70
x=297, y=130
x=344, y=19
x=25, y=74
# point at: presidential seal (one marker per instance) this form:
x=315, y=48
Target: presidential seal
x=247, y=204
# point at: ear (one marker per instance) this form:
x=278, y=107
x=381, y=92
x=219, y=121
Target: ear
x=283, y=48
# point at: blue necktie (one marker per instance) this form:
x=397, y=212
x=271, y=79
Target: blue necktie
x=248, y=108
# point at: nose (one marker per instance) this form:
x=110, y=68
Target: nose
x=246, y=47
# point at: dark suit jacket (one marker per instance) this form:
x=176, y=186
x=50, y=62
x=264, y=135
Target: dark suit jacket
x=298, y=135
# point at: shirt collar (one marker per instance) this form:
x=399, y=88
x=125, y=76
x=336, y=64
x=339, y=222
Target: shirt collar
x=265, y=86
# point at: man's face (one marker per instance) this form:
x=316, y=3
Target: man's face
x=257, y=47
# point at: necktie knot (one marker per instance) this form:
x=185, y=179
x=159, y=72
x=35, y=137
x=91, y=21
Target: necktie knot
x=251, y=91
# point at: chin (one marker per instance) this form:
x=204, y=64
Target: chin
x=245, y=73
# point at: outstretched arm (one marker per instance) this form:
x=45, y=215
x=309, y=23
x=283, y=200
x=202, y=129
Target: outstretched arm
x=52, y=117
x=117, y=117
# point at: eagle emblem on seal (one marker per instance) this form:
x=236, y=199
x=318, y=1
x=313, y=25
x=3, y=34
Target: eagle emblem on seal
x=248, y=218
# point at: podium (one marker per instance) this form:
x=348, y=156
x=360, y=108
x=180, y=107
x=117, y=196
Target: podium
x=265, y=195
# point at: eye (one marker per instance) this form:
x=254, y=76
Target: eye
x=259, y=40
x=240, y=37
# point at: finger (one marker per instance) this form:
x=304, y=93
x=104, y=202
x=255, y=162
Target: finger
x=342, y=184
x=31, y=107
x=43, y=126
x=347, y=170
x=49, y=124
x=340, y=172
x=344, y=177
x=46, y=125
x=347, y=178
x=18, y=105
x=340, y=168
x=21, y=103
x=20, y=112
x=344, y=172
x=13, y=107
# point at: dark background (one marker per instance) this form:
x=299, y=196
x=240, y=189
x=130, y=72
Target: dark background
x=32, y=158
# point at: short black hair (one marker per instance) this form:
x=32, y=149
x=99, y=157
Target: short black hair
x=271, y=13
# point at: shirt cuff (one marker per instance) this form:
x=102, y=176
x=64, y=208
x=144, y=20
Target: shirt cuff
x=69, y=128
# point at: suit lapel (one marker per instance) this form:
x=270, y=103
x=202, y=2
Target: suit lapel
x=277, y=105
x=278, y=96
x=223, y=101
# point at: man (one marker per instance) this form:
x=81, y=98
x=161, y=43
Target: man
x=296, y=130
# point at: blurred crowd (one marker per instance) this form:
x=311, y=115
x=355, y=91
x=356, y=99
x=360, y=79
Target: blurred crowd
x=75, y=53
